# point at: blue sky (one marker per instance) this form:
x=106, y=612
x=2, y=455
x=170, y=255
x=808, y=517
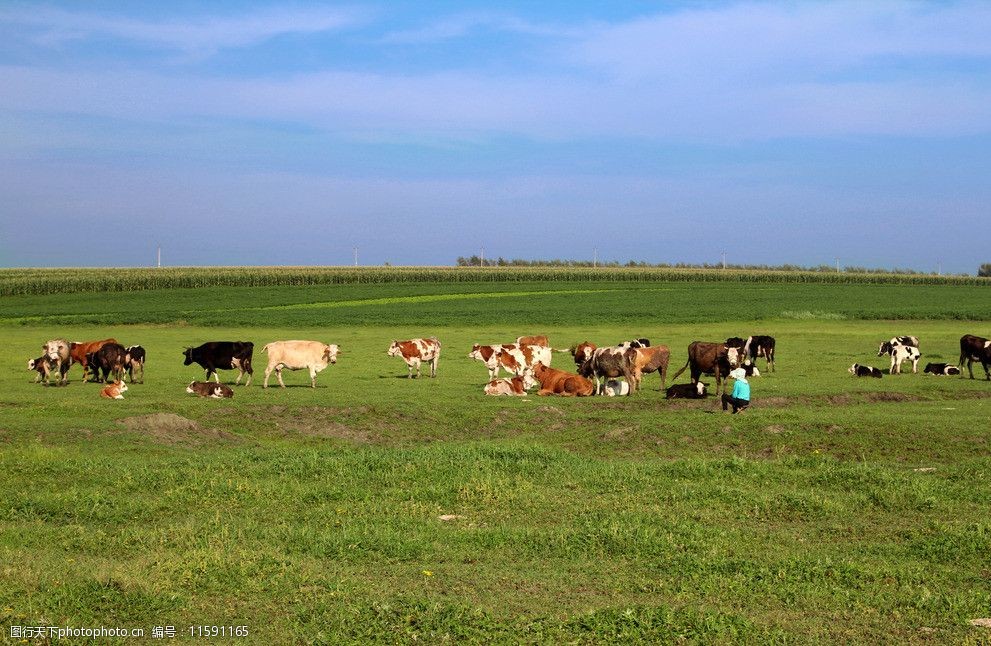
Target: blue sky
x=251, y=133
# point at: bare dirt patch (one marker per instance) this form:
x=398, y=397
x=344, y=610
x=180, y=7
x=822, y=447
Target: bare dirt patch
x=890, y=397
x=774, y=429
x=171, y=429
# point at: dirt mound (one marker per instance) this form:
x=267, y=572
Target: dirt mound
x=890, y=397
x=169, y=428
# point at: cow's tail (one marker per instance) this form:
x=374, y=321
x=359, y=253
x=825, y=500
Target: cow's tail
x=265, y=347
x=568, y=350
x=680, y=371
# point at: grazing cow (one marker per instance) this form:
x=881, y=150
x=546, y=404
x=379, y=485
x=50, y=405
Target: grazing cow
x=135, y=360
x=43, y=366
x=222, y=355
x=760, y=346
x=899, y=354
x=114, y=390
x=110, y=359
x=512, y=358
x=559, y=382
x=975, y=348
x=611, y=362
x=207, y=389
x=299, y=355
x=858, y=370
x=687, y=391
x=80, y=350
x=707, y=358
x=514, y=386
x=653, y=359
x=940, y=369
x=57, y=351
x=615, y=388
x=416, y=350
x=537, y=339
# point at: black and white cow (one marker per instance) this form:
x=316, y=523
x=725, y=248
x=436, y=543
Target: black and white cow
x=695, y=390
x=858, y=370
x=610, y=362
x=975, y=348
x=760, y=346
x=222, y=355
x=940, y=369
x=900, y=353
x=135, y=360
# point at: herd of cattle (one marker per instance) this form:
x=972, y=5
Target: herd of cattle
x=598, y=370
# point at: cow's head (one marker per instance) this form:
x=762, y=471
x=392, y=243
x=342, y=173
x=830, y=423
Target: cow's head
x=188, y=353
x=529, y=381
x=394, y=350
x=700, y=388
x=853, y=369
x=884, y=348
x=476, y=352
x=582, y=352
x=733, y=356
x=330, y=353
x=52, y=350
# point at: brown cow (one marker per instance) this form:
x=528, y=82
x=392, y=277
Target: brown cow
x=111, y=359
x=536, y=339
x=653, y=359
x=79, y=349
x=974, y=348
x=711, y=359
x=559, y=382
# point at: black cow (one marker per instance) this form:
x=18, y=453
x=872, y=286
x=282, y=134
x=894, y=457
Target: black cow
x=858, y=370
x=109, y=360
x=760, y=346
x=941, y=369
x=611, y=362
x=708, y=358
x=135, y=359
x=975, y=348
x=222, y=355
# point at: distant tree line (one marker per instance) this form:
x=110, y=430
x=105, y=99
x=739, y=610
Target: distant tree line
x=985, y=270
x=476, y=261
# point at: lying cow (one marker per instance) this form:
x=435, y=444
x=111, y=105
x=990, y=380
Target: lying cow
x=708, y=358
x=858, y=370
x=109, y=360
x=687, y=391
x=299, y=355
x=57, y=351
x=559, y=382
x=616, y=388
x=212, y=390
x=222, y=355
x=80, y=351
x=513, y=386
x=760, y=346
x=512, y=358
x=899, y=354
x=135, y=360
x=114, y=390
x=975, y=348
x=43, y=366
x=609, y=363
x=941, y=369
x=415, y=351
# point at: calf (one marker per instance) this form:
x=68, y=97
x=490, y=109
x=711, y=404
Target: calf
x=207, y=389
x=611, y=362
x=707, y=358
x=57, y=351
x=941, y=369
x=114, y=390
x=135, y=360
x=513, y=386
x=615, y=388
x=43, y=366
x=900, y=354
x=975, y=348
x=559, y=382
x=299, y=355
x=687, y=391
x=109, y=359
x=222, y=355
x=414, y=351
x=858, y=370
x=760, y=346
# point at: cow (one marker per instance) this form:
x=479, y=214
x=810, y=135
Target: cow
x=57, y=351
x=635, y=343
x=708, y=358
x=616, y=388
x=114, y=390
x=904, y=340
x=514, y=386
x=735, y=342
x=414, y=351
x=299, y=355
x=858, y=370
x=760, y=346
x=687, y=391
x=222, y=355
x=135, y=360
x=559, y=382
x=940, y=369
x=80, y=350
x=510, y=357
x=536, y=339
x=749, y=369
x=611, y=362
x=975, y=348
x=653, y=359
x=899, y=354
x=109, y=359
x=43, y=366
x=207, y=389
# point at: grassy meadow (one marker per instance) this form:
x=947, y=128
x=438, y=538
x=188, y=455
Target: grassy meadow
x=836, y=508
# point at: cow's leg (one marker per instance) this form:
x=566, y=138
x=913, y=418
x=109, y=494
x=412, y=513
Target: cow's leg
x=915, y=366
x=416, y=363
x=963, y=358
x=246, y=367
x=433, y=366
x=543, y=392
x=268, y=372
x=313, y=377
x=409, y=369
x=987, y=373
x=278, y=373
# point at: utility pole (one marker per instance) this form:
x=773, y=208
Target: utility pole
x=837, y=265
x=481, y=259
x=595, y=257
x=939, y=267
x=355, y=249
x=159, y=256
x=724, y=260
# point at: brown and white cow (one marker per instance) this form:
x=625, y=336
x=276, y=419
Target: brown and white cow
x=57, y=351
x=510, y=357
x=559, y=382
x=415, y=351
x=513, y=386
x=619, y=361
x=974, y=348
x=299, y=355
x=653, y=359
x=78, y=351
x=706, y=358
x=536, y=339
x=211, y=390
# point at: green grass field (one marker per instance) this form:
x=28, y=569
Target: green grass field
x=835, y=509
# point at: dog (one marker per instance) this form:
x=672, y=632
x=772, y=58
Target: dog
x=941, y=369
x=115, y=390
x=207, y=389
x=687, y=391
x=864, y=371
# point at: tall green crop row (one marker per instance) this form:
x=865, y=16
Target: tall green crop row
x=48, y=281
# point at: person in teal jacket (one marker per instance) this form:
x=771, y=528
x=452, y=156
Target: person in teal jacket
x=739, y=399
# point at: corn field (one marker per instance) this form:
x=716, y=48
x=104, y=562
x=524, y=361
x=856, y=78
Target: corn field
x=70, y=280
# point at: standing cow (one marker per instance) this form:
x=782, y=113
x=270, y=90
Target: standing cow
x=80, y=351
x=653, y=359
x=110, y=359
x=975, y=348
x=610, y=362
x=223, y=355
x=299, y=355
x=415, y=351
x=57, y=351
x=900, y=354
x=135, y=361
x=760, y=346
x=706, y=358
x=512, y=358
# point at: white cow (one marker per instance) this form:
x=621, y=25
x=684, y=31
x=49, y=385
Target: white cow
x=57, y=351
x=299, y=355
x=901, y=353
